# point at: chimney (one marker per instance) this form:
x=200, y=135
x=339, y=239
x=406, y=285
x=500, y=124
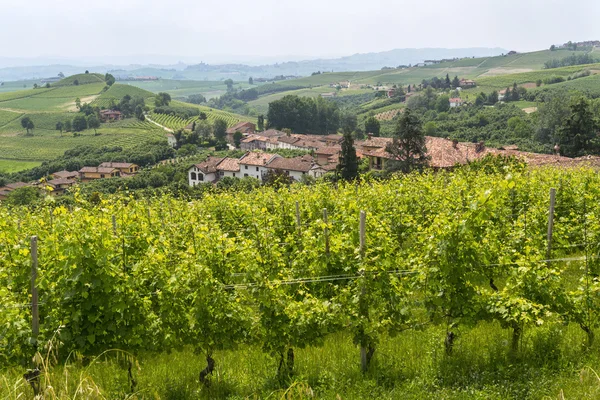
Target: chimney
x=455, y=143
x=369, y=136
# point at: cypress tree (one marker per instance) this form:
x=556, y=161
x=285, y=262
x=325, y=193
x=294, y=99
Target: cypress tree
x=348, y=166
x=407, y=151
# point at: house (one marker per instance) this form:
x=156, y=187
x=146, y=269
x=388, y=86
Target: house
x=171, y=140
x=332, y=140
x=328, y=95
x=87, y=174
x=9, y=187
x=318, y=171
x=324, y=154
x=296, y=168
x=204, y=172
x=124, y=168
x=60, y=185
x=65, y=175
x=467, y=83
x=254, y=142
x=456, y=102
x=244, y=128
x=271, y=133
x=254, y=163
x=110, y=115
x=229, y=167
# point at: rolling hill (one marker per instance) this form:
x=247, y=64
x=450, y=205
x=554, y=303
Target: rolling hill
x=48, y=106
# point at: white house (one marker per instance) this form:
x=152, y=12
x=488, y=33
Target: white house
x=171, y=140
x=229, y=167
x=204, y=172
x=294, y=167
x=455, y=102
x=254, y=164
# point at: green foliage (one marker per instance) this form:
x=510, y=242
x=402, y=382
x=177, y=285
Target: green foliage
x=348, y=164
x=162, y=99
x=574, y=59
x=79, y=123
x=578, y=135
x=372, y=126
x=24, y=196
x=304, y=115
x=408, y=150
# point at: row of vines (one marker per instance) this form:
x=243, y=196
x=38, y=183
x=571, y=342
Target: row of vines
x=286, y=268
x=176, y=122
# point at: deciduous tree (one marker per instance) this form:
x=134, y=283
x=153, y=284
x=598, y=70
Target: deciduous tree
x=408, y=150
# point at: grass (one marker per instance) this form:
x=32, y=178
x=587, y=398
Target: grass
x=184, y=88
x=48, y=144
x=8, y=166
x=551, y=362
x=83, y=79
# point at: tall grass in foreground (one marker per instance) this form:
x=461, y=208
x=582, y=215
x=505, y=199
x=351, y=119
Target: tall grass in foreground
x=552, y=363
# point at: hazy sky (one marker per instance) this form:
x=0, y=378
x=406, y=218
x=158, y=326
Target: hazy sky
x=236, y=29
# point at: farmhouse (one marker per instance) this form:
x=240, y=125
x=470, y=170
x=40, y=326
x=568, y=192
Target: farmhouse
x=332, y=140
x=293, y=167
x=87, y=174
x=328, y=95
x=325, y=154
x=60, y=185
x=229, y=167
x=467, y=83
x=171, y=140
x=456, y=102
x=318, y=171
x=9, y=187
x=124, y=168
x=110, y=115
x=254, y=164
x=65, y=175
x=204, y=172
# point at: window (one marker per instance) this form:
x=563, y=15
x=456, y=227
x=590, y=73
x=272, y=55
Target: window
x=221, y=173
x=102, y=176
x=256, y=169
x=200, y=177
x=234, y=174
x=245, y=166
x=193, y=176
x=245, y=175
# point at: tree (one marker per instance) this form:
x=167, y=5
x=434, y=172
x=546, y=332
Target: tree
x=139, y=113
x=237, y=139
x=48, y=85
x=61, y=75
x=348, y=164
x=27, y=123
x=67, y=125
x=109, y=79
x=552, y=48
x=220, y=129
x=507, y=95
x=250, y=81
x=79, y=123
x=24, y=196
x=229, y=84
x=78, y=103
x=204, y=130
x=162, y=99
x=93, y=123
x=59, y=127
x=407, y=151
x=76, y=82
x=442, y=103
x=35, y=86
x=430, y=128
x=261, y=122
x=372, y=126
x=348, y=122
x=196, y=99
x=87, y=72
x=492, y=98
x=447, y=82
x=481, y=99
x=577, y=136
x=455, y=82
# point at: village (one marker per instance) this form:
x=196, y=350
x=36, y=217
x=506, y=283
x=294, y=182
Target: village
x=322, y=157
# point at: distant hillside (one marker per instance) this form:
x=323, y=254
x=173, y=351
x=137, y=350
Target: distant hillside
x=241, y=72
x=81, y=79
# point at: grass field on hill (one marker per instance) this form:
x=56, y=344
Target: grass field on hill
x=184, y=88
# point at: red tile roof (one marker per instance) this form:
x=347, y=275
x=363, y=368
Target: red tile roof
x=99, y=170
x=65, y=174
x=291, y=164
x=116, y=165
x=209, y=166
x=257, y=158
x=229, y=164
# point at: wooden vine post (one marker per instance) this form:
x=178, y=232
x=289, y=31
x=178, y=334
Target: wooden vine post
x=35, y=316
x=326, y=231
x=114, y=225
x=551, y=222
x=364, y=312
x=298, y=222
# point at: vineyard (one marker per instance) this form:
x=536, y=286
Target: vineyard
x=176, y=122
x=387, y=115
x=286, y=270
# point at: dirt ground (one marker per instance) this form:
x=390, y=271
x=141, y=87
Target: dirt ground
x=70, y=106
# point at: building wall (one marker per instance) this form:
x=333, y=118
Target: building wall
x=199, y=176
x=252, y=171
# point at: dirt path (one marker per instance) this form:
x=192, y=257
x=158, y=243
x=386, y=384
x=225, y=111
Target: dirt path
x=157, y=124
x=71, y=107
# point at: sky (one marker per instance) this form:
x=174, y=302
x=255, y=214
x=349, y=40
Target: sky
x=280, y=30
